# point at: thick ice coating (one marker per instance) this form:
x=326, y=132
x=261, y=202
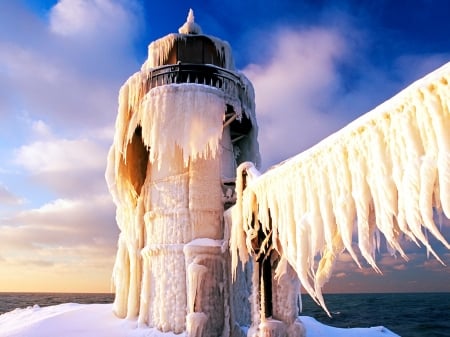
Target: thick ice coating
x=159, y=50
x=385, y=172
x=172, y=151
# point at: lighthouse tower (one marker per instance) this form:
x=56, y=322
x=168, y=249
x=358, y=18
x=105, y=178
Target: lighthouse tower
x=185, y=121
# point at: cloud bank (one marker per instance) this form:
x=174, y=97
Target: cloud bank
x=60, y=76
x=62, y=90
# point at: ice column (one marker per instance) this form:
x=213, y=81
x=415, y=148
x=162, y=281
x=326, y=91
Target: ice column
x=167, y=188
x=207, y=293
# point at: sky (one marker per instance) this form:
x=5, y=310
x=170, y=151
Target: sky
x=315, y=66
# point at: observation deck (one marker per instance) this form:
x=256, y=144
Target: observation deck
x=207, y=74
x=232, y=86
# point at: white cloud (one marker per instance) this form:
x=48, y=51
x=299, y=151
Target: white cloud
x=68, y=223
x=294, y=89
x=41, y=129
x=60, y=90
x=53, y=90
x=71, y=168
x=89, y=17
x=61, y=245
x=314, y=81
x=7, y=197
x=61, y=155
x=69, y=80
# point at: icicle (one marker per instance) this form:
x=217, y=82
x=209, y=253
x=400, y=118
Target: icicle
x=158, y=51
x=386, y=171
x=361, y=196
x=343, y=205
x=224, y=52
x=165, y=108
x=238, y=244
x=381, y=186
x=196, y=273
x=323, y=274
x=325, y=206
x=428, y=173
x=195, y=323
x=439, y=113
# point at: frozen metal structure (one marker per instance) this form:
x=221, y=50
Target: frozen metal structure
x=193, y=209
x=185, y=121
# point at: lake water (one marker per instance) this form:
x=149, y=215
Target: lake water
x=407, y=314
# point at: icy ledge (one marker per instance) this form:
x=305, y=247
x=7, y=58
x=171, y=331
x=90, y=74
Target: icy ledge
x=97, y=320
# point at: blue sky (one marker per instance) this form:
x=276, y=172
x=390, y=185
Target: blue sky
x=315, y=65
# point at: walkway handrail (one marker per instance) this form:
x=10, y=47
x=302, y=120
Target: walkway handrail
x=227, y=81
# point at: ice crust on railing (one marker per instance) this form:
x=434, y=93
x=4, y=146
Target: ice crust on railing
x=384, y=173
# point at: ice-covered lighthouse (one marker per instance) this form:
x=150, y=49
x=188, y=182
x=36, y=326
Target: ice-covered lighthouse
x=185, y=121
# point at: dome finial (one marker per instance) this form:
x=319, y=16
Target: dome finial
x=190, y=27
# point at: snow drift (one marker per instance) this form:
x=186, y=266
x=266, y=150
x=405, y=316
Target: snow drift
x=97, y=320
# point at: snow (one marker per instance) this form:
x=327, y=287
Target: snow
x=385, y=173
x=97, y=320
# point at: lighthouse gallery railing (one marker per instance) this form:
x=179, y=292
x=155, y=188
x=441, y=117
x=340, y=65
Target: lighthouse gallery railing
x=227, y=81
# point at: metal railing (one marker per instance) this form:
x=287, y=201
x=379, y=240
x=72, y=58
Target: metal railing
x=210, y=75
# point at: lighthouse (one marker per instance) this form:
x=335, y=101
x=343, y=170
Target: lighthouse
x=185, y=121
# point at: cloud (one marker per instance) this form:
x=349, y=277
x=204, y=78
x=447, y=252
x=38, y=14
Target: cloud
x=7, y=197
x=70, y=72
x=89, y=18
x=68, y=167
x=41, y=129
x=294, y=90
x=64, y=245
x=58, y=93
x=310, y=82
x=391, y=265
x=60, y=90
x=61, y=87
x=62, y=222
x=61, y=155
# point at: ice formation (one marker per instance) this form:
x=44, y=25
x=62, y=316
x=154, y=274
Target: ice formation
x=160, y=50
x=384, y=173
x=190, y=27
x=172, y=157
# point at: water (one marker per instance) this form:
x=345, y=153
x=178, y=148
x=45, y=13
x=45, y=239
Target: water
x=409, y=314
x=406, y=314
x=11, y=301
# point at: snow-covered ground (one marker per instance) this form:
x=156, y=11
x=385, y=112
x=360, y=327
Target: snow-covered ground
x=97, y=320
